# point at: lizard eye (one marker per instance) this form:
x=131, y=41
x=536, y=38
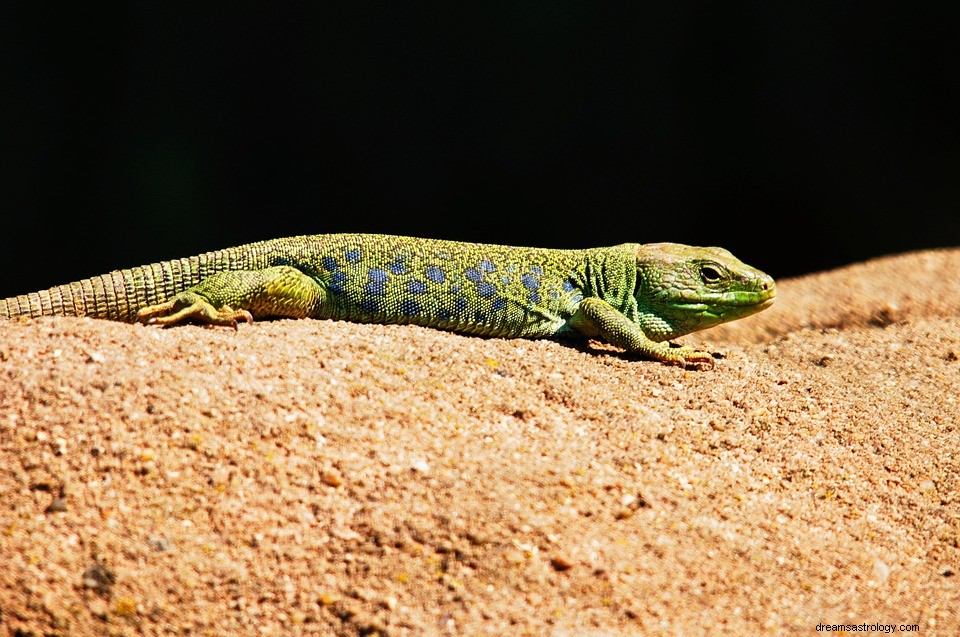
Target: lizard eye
x=709, y=273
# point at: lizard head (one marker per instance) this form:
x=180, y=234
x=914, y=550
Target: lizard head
x=682, y=289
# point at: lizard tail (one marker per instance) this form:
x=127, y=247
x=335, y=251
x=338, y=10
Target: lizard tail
x=117, y=295
x=120, y=294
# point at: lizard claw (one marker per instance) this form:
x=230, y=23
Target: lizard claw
x=236, y=315
x=688, y=358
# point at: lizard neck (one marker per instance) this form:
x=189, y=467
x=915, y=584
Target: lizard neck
x=611, y=274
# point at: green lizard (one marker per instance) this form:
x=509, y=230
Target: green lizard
x=634, y=296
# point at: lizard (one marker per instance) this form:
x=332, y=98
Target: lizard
x=637, y=297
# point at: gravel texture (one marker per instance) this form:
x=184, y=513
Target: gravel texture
x=319, y=477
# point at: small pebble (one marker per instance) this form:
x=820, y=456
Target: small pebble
x=477, y=539
x=57, y=505
x=297, y=618
x=329, y=599
x=158, y=543
x=125, y=607
x=331, y=478
x=880, y=571
x=561, y=562
x=100, y=578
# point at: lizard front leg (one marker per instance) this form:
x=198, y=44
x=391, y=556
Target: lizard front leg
x=596, y=317
x=227, y=297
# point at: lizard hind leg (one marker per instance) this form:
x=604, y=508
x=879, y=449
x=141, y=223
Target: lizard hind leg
x=227, y=297
x=191, y=306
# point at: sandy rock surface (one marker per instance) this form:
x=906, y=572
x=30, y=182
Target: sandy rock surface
x=318, y=477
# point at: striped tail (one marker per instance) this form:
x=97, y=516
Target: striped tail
x=117, y=295
x=120, y=294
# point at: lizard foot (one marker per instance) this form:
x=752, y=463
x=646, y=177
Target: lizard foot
x=687, y=357
x=177, y=311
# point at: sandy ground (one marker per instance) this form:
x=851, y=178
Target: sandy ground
x=314, y=477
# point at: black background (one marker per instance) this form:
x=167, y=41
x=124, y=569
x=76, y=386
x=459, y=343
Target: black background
x=801, y=136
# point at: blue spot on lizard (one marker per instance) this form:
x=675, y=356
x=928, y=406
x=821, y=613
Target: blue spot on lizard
x=486, y=289
x=435, y=274
x=378, y=280
x=337, y=280
x=416, y=287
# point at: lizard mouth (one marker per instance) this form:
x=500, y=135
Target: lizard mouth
x=758, y=297
x=760, y=300
x=760, y=303
x=766, y=302
x=729, y=307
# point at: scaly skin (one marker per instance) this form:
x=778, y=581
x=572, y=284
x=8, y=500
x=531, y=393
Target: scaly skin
x=634, y=296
